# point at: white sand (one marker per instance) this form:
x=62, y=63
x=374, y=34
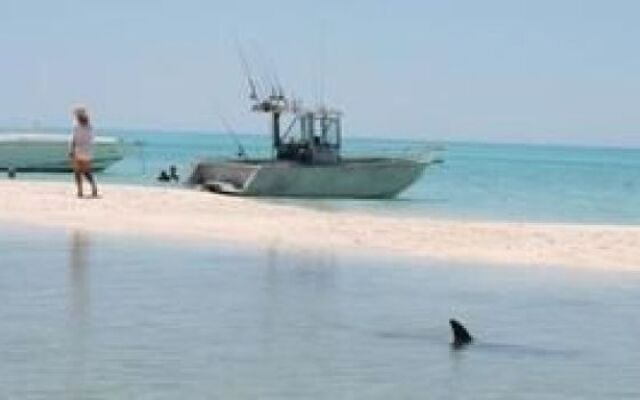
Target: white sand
x=199, y=216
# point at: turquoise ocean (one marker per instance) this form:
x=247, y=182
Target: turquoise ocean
x=504, y=182
x=476, y=181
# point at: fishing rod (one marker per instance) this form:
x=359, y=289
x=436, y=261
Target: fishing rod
x=242, y=153
x=253, y=87
x=269, y=84
x=269, y=73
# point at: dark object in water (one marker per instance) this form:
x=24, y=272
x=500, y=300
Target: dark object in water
x=11, y=173
x=461, y=336
x=163, y=177
x=173, y=173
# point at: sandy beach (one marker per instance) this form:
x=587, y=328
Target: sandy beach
x=190, y=215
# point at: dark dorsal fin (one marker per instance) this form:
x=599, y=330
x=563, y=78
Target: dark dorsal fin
x=461, y=336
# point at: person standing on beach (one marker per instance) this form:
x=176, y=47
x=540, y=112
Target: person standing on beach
x=81, y=150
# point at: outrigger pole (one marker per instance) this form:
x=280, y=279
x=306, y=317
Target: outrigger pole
x=274, y=103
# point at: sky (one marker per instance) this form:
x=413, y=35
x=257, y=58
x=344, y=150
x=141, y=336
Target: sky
x=538, y=71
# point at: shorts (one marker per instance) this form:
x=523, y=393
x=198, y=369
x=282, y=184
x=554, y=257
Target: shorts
x=81, y=164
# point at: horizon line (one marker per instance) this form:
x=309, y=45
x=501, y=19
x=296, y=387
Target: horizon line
x=164, y=131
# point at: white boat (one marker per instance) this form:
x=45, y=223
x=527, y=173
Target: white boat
x=43, y=152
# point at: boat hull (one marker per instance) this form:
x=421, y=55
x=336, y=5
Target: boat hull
x=49, y=153
x=351, y=178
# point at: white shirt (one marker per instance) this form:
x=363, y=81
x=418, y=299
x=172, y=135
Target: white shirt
x=82, y=142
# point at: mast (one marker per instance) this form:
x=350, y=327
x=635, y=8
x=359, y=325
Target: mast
x=275, y=104
x=275, y=129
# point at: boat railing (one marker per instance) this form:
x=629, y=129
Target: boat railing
x=430, y=154
x=427, y=153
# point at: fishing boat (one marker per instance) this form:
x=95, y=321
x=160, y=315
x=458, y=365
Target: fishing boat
x=44, y=152
x=307, y=161
x=306, y=158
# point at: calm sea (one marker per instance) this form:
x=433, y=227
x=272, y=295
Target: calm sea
x=95, y=317
x=476, y=181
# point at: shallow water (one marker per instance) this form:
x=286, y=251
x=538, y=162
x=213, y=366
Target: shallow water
x=89, y=316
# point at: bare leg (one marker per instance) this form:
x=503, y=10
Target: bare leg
x=92, y=181
x=78, y=177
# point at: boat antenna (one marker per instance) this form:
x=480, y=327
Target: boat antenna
x=323, y=60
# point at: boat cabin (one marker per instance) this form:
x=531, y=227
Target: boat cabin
x=312, y=137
